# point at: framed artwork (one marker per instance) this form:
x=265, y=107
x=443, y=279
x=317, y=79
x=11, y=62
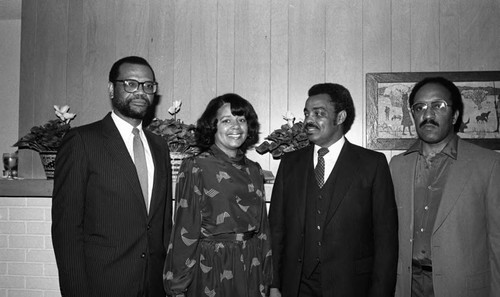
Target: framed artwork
x=389, y=123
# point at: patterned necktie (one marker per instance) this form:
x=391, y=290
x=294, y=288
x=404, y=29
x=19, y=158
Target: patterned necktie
x=140, y=164
x=319, y=171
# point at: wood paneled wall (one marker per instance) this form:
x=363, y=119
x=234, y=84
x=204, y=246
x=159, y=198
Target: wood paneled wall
x=268, y=51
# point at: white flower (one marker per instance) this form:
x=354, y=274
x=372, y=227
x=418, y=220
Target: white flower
x=289, y=118
x=176, y=106
x=63, y=114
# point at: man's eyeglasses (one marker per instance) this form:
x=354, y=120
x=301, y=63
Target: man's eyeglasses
x=436, y=106
x=131, y=85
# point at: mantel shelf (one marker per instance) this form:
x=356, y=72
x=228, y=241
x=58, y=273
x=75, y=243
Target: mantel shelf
x=26, y=188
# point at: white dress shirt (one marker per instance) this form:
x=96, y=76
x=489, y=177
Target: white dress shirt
x=125, y=130
x=331, y=157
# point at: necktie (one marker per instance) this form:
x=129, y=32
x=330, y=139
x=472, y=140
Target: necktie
x=319, y=171
x=140, y=164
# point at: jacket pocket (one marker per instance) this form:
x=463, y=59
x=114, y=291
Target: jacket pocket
x=478, y=281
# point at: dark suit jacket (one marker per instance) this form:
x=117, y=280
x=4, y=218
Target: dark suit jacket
x=359, y=245
x=105, y=242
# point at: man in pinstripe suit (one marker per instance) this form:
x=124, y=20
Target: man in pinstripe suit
x=110, y=222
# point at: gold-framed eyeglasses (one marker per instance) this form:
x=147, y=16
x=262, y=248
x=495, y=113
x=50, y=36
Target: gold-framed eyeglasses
x=131, y=85
x=436, y=106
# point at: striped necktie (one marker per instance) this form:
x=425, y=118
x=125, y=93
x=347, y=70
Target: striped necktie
x=319, y=170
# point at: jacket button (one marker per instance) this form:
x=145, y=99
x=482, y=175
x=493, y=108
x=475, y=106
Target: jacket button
x=149, y=226
x=300, y=260
x=143, y=255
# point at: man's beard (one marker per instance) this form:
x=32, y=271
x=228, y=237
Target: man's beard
x=123, y=106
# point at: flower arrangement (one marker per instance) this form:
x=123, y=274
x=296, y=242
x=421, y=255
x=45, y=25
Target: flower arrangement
x=48, y=137
x=179, y=136
x=290, y=137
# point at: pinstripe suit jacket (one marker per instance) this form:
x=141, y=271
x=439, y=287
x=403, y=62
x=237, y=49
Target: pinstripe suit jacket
x=105, y=242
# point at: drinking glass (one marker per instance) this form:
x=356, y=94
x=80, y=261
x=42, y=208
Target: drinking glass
x=10, y=164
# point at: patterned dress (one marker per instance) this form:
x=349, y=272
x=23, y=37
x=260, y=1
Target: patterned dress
x=220, y=244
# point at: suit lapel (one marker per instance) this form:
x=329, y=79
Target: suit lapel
x=118, y=151
x=341, y=178
x=457, y=179
x=158, y=160
x=303, y=167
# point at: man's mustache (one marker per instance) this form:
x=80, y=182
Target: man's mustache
x=311, y=125
x=430, y=122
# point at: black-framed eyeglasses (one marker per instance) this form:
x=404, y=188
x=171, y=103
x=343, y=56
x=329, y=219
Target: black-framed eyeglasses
x=436, y=106
x=131, y=85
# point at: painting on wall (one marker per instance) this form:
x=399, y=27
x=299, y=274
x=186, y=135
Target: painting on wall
x=390, y=126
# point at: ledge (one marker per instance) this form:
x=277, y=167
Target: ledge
x=26, y=188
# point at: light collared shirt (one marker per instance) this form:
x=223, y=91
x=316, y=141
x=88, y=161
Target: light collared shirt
x=331, y=157
x=125, y=130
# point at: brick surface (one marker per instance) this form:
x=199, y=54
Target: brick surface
x=3, y=268
x=48, y=243
x=25, y=293
x=11, y=282
x=4, y=214
x=47, y=202
x=42, y=228
x=42, y=283
x=12, y=227
x=12, y=255
x=26, y=241
x=50, y=270
x=46, y=256
x=52, y=294
x=12, y=201
x=26, y=214
x=4, y=242
x=28, y=269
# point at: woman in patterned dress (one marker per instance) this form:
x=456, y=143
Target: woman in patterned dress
x=220, y=244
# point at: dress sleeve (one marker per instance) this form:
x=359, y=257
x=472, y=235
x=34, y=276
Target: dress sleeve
x=183, y=252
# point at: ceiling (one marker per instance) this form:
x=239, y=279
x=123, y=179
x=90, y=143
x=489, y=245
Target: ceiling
x=10, y=9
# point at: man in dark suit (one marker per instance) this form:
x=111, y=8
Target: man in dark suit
x=111, y=211
x=333, y=216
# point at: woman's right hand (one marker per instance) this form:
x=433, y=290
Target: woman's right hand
x=274, y=292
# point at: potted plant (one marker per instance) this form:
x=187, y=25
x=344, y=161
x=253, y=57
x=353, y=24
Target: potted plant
x=179, y=136
x=46, y=139
x=289, y=137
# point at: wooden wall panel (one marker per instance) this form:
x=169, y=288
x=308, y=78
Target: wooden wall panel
x=203, y=58
x=27, y=81
x=401, y=37
x=99, y=54
x=132, y=28
x=279, y=71
x=306, y=50
x=182, y=55
x=344, y=53
x=161, y=51
x=479, y=37
x=225, y=46
x=269, y=51
x=252, y=61
x=449, y=41
x=424, y=18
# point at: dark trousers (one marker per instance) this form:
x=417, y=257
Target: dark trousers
x=310, y=286
x=421, y=282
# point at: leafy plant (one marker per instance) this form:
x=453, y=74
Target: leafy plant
x=48, y=137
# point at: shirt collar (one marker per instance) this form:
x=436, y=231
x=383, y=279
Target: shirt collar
x=123, y=126
x=334, y=148
x=451, y=148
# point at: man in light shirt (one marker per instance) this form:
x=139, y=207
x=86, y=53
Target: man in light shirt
x=111, y=211
x=333, y=216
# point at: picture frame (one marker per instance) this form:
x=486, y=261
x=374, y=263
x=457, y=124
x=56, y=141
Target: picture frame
x=389, y=123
